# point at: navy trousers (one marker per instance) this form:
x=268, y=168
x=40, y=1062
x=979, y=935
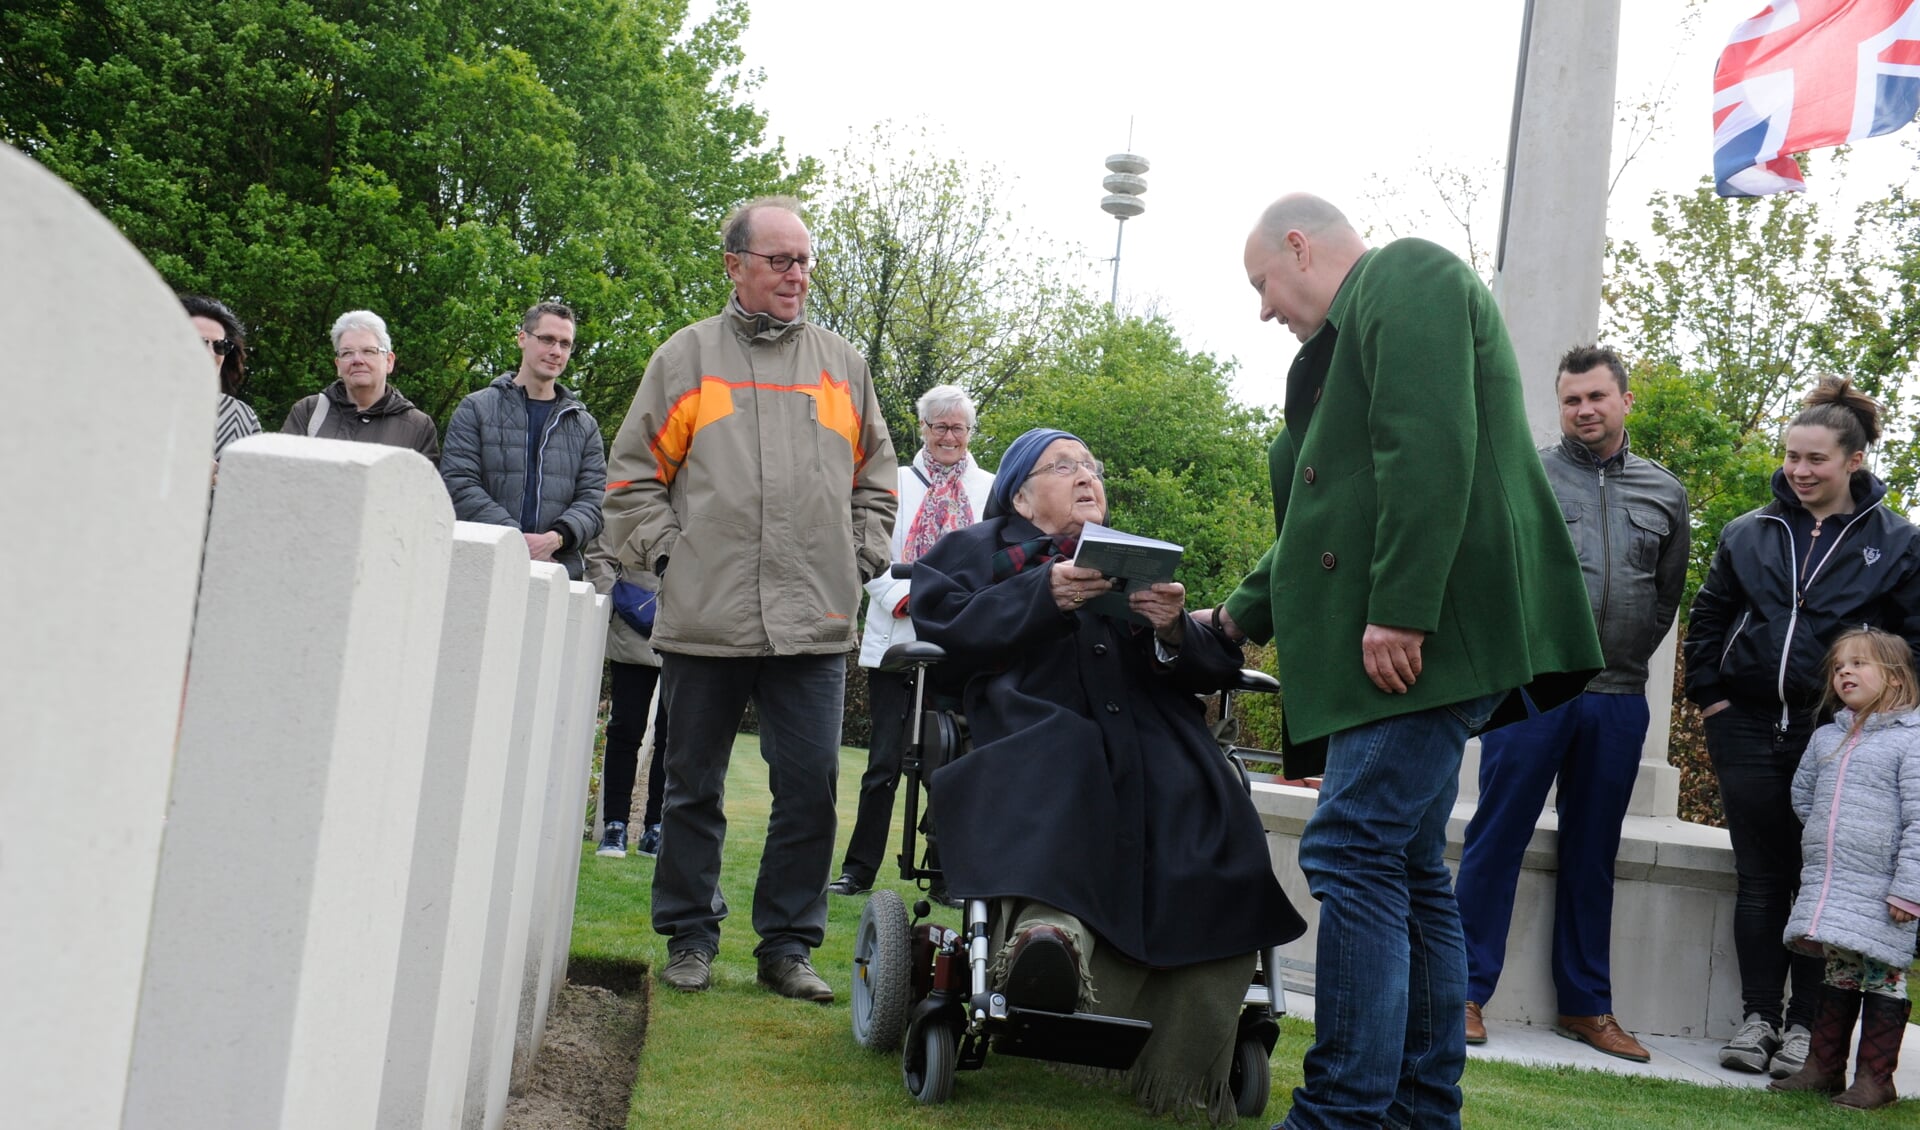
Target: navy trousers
x=1592, y=746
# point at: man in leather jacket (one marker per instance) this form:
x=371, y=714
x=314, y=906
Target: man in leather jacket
x=1628, y=519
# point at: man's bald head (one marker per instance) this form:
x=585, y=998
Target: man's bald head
x=1302, y=212
x=1297, y=256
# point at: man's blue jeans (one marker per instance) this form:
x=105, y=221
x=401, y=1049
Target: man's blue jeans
x=1591, y=745
x=1391, y=970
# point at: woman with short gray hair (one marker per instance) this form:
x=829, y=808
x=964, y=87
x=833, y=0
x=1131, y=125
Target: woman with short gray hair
x=941, y=490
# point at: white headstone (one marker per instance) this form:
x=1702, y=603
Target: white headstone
x=593, y=657
x=451, y=888
x=283, y=874
x=574, y=718
x=104, y=521
x=502, y=966
x=559, y=831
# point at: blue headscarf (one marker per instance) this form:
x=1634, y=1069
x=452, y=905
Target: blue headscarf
x=1017, y=464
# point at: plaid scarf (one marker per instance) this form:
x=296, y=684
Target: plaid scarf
x=1031, y=554
x=944, y=510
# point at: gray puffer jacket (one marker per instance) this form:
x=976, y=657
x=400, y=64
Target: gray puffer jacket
x=1628, y=520
x=485, y=467
x=1861, y=807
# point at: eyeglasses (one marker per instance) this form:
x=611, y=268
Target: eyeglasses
x=781, y=264
x=548, y=341
x=220, y=346
x=350, y=354
x=1065, y=467
x=948, y=429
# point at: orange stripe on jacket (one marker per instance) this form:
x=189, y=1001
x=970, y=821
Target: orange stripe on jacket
x=712, y=402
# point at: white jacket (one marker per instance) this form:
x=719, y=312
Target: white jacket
x=884, y=593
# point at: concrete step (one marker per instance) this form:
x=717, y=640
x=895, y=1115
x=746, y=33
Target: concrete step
x=1674, y=1057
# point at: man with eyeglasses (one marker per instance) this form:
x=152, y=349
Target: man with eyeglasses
x=525, y=452
x=754, y=475
x=361, y=406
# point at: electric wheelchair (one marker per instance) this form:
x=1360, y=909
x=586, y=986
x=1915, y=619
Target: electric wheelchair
x=922, y=988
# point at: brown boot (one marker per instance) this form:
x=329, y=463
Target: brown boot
x=1834, y=1015
x=1883, y=1023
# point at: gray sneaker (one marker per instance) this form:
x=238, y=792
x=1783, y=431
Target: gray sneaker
x=793, y=976
x=613, y=842
x=690, y=971
x=1795, y=1043
x=1752, y=1047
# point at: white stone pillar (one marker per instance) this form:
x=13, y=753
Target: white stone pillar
x=451, y=887
x=559, y=835
x=1554, y=228
x=105, y=522
x=517, y=852
x=1656, y=791
x=283, y=875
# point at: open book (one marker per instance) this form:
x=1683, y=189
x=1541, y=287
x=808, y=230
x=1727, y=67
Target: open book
x=1129, y=561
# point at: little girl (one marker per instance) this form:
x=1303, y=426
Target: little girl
x=1857, y=792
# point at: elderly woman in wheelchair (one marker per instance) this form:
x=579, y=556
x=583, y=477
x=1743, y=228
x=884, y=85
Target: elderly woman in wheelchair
x=1109, y=845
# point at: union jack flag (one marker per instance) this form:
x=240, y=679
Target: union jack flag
x=1804, y=74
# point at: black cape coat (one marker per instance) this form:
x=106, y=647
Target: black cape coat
x=1093, y=784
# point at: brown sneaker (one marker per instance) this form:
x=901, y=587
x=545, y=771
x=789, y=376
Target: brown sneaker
x=1476, y=1027
x=793, y=976
x=1602, y=1034
x=690, y=971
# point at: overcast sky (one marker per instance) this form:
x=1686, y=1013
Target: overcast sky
x=1233, y=103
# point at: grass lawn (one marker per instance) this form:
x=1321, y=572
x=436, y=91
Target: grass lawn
x=738, y=1056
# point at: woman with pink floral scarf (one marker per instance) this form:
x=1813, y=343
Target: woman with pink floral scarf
x=942, y=490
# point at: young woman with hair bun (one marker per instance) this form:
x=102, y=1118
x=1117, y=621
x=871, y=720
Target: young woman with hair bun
x=1825, y=555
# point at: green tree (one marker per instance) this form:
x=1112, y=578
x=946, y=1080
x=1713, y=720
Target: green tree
x=922, y=269
x=445, y=165
x=1185, y=463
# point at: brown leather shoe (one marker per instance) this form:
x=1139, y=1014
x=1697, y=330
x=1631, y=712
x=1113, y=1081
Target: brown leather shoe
x=1602, y=1034
x=1043, y=970
x=1476, y=1027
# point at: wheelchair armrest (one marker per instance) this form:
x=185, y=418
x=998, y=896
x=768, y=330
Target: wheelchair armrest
x=1255, y=682
x=901, y=570
x=913, y=653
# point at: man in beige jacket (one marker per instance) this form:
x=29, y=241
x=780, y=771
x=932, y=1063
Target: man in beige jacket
x=754, y=475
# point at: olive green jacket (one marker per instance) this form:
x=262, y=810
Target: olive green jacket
x=1407, y=493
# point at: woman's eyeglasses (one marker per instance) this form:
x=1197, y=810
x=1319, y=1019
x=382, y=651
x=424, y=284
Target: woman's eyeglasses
x=1065, y=467
x=220, y=346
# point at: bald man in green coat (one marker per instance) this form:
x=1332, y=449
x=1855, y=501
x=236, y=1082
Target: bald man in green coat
x=1421, y=588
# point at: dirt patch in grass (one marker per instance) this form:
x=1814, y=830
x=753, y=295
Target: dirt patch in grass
x=583, y=1079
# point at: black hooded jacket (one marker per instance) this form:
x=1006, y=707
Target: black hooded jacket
x=1758, y=634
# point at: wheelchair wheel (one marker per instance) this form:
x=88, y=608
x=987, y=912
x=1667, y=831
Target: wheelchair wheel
x=928, y=1066
x=1251, y=1079
x=881, y=972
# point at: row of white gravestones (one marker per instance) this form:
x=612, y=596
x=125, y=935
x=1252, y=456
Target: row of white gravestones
x=331, y=885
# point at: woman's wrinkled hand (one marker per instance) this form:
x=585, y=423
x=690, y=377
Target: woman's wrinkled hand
x=1165, y=607
x=1074, y=586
